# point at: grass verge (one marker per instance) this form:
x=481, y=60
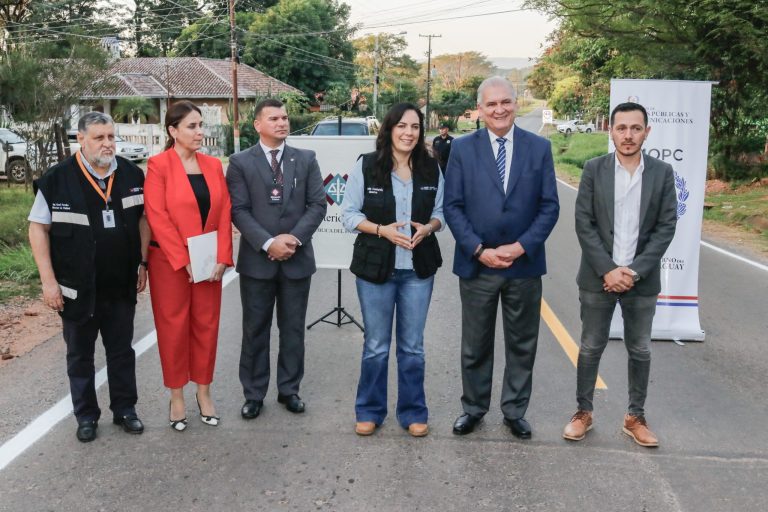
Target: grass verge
x=570, y=152
x=744, y=205
x=18, y=272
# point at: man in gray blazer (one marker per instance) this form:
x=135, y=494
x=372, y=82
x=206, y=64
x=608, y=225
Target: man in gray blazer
x=626, y=212
x=278, y=201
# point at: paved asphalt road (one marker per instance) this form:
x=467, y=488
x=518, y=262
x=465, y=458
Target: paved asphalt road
x=707, y=404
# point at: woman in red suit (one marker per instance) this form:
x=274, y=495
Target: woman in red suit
x=186, y=195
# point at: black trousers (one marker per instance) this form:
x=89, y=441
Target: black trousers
x=258, y=297
x=520, y=313
x=113, y=319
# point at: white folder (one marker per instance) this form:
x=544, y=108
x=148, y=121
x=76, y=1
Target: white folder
x=202, y=255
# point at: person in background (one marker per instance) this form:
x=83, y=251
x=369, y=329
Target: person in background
x=186, y=196
x=394, y=201
x=441, y=146
x=89, y=239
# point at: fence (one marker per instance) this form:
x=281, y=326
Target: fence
x=153, y=137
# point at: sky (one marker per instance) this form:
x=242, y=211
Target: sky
x=516, y=34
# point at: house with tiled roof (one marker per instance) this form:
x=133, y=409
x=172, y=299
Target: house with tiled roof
x=205, y=82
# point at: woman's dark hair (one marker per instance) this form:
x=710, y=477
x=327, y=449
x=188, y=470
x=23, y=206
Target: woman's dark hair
x=419, y=159
x=175, y=114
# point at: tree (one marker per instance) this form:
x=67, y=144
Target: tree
x=12, y=14
x=304, y=43
x=452, y=69
x=38, y=92
x=398, y=72
x=209, y=36
x=678, y=39
x=157, y=24
x=567, y=97
x=134, y=110
x=452, y=105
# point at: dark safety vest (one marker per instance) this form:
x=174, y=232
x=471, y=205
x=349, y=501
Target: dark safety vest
x=72, y=239
x=373, y=257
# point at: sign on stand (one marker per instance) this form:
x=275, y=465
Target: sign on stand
x=337, y=156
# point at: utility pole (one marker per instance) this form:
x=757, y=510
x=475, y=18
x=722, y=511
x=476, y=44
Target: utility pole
x=429, y=76
x=233, y=46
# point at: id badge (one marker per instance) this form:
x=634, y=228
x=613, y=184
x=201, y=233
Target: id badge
x=275, y=194
x=109, y=218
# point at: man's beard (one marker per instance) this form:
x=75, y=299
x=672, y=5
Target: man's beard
x=102, y=161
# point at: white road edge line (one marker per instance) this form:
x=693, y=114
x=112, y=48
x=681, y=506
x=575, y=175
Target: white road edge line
x=705, y=244
x=63, y=408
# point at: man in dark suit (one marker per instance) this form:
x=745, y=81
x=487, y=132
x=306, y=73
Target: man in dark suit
x=500, y=204
x=626, y=212
x=278, y=201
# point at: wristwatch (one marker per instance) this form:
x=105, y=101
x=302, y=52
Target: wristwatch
x=479, y=251
x=635, y=276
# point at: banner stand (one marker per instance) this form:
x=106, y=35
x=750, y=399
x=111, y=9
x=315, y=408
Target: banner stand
x=341, y=313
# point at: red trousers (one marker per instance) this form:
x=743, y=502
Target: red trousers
x=187, y=322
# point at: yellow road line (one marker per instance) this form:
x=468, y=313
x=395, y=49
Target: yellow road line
x=562, y=337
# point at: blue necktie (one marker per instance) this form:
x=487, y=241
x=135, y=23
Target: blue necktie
x=501, y=159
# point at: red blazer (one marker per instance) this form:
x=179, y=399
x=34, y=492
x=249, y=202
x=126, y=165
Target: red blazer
x=172, y=209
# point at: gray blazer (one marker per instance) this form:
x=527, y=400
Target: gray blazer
x=249, y=179
x=594, y=223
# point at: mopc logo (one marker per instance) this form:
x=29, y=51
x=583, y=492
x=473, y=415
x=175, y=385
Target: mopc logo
x=335, y=185
x=682, y=194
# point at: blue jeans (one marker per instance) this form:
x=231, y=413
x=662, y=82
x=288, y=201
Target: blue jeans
x=410, y=295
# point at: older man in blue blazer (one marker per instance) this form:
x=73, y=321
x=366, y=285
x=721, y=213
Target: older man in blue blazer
x=501, y=205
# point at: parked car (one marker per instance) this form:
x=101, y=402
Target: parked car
x=349, y=126
x=125, y=149
x=575, y=125
x=13, y=156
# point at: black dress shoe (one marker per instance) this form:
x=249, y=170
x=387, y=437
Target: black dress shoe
x=465, y=424
x=292, y=402
x=251, y=409
x=519, y=427
x=86, y=431
x=130, y=423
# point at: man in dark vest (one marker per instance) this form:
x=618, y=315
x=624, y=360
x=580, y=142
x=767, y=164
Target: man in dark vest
x=89, y=238
x=441, y=146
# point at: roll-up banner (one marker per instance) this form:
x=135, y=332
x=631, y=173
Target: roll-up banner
x=678, y=114
x=336, y=157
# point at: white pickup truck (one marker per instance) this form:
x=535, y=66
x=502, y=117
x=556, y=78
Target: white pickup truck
x=13, y=156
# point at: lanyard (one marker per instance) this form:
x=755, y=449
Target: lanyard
x=93, y=183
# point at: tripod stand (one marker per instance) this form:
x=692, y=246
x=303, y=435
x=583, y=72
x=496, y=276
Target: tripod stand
x=342, y=317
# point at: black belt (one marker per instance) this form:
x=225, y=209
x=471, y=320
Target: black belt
x=154, y=244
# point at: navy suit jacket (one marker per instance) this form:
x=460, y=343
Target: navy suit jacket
x=478, y=211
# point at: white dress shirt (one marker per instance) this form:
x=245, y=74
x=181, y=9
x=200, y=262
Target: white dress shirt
x=626, y=212
x=508, y=146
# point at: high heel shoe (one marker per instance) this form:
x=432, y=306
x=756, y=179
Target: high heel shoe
x=208, y=420
x=177, y=425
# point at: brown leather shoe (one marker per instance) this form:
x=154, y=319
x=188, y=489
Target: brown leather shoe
x=418, y=429
x=636, y=428
x=580, y=424
x=365, y=428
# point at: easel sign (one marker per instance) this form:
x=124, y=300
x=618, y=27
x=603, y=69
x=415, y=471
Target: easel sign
x=332, y=243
